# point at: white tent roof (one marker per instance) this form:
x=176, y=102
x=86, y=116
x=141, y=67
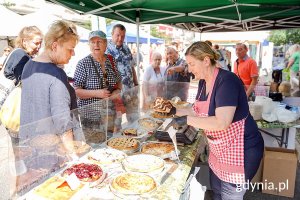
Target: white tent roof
x=10, y=23
x=43, y=19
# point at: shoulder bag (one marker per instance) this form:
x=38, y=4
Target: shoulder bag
x=11, y=109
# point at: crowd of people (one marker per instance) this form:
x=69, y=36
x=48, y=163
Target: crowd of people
x=107, y=75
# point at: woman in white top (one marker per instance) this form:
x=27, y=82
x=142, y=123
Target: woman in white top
x=153, y=80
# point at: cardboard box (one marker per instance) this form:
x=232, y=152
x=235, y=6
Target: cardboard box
x=279, y=171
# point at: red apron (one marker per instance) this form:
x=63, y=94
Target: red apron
x=226, y=156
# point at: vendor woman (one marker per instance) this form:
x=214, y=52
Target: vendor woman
x=221, y=109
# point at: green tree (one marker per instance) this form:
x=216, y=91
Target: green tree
x=156, y=33
x=287, y=36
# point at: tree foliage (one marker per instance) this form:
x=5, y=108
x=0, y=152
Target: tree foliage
x=156, y=33
x=287, y=36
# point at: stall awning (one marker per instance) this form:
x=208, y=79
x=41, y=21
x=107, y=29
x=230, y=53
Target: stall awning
x=201, y=16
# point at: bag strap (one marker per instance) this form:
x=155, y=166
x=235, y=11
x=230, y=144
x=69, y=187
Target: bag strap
x=112, y=62
x=97, y=72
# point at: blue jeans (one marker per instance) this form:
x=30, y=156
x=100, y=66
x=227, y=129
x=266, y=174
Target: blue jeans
x=223, y=190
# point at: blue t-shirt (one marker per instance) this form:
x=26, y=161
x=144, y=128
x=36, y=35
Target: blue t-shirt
x=228, y=91
x=15, y=64
x=46, y=100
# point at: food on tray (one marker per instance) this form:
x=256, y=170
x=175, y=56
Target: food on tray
x=157, y=149
x=77, y=147
x=56, y=188
x=107, y=156
x=143, y=163
x=148, y=124
x=124, y=143
x=85, y=172
x=47, y=161
x=162, y=105
x=178, y=103
x=160, y=115
x=45, y=142
x=22, y=152
x=32, y=176
x=130, y=132
x=133, y=183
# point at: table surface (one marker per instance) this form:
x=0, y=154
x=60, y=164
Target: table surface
x=276, y=124
x=170, y=189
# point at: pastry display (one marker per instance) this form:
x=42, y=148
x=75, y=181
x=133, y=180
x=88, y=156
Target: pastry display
x=22, y=152
x=133, y=184
x=85, y=172
x=148, y=124
x=124, y=143
x=28, y=179
x=143, y=163
x=77, y=147
x=47, y=161
x=45, y=142
x=157, y=149
x=162, y=105
x=178, y=103
x=130, y=132
x=107, y=156
x=55, y=188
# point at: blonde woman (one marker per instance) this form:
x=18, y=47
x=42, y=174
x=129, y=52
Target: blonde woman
x=221, y=110
x=46, y=93
x=27, y=44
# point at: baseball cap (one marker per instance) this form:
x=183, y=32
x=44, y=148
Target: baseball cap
x=99, y=34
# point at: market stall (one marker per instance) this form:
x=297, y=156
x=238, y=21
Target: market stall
x=96, y=163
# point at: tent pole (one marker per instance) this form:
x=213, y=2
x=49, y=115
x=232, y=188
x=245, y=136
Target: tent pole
x=138, y=48
x=138, y=55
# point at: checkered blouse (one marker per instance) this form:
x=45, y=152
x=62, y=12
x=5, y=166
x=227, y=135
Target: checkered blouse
x=86, y=77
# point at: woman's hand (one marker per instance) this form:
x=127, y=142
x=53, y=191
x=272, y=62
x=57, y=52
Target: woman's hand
x=104, y=93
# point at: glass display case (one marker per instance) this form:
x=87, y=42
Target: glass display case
x=43, y=149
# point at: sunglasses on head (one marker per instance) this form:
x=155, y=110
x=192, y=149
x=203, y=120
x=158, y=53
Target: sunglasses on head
x=6, y=50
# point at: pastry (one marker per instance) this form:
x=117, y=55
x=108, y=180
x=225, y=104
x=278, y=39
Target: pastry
x=22, y=153
x=107, y=156
x=77, y=147
x=148, y=124
x=47, y=161
x=130, y=132
x=31, y=177
x=85, y=172
x=143, y=163
x=45, y=142
x=160, y=115
x=56, y=188
x=157, y=149
x=133, y=183
x=162, y=105
x=124, y=144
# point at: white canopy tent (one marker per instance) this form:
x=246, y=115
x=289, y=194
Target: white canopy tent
x=10, y=23
x=43, y=19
